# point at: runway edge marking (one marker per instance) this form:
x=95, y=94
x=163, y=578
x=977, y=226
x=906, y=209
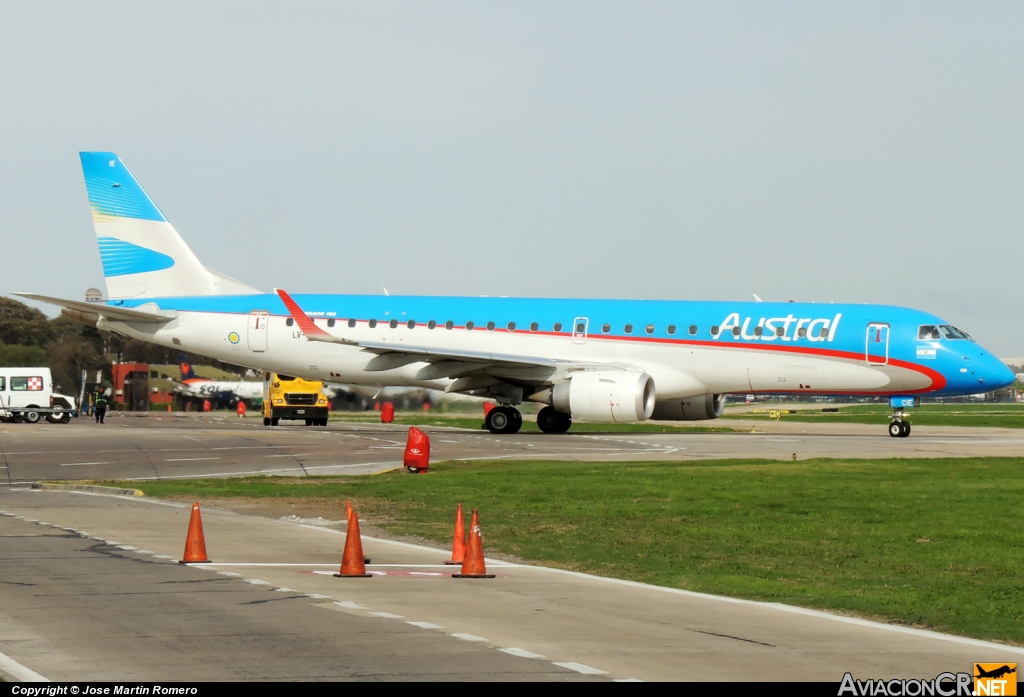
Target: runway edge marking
x=16, y=670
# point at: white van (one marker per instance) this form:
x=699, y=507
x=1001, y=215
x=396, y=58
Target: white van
x=26, y=394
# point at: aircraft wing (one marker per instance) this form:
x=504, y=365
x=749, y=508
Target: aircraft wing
x=110, y=312
x=395, y=355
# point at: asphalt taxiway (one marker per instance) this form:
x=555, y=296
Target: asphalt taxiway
x=162, y=447
x=90, y=589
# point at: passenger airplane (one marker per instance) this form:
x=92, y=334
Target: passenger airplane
x=226, y=391
x=587, y=360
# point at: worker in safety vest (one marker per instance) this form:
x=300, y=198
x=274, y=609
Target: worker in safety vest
x=100, y=406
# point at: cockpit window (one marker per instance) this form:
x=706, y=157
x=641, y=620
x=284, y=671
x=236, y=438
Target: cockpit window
x=952, y=332
x=928, y=332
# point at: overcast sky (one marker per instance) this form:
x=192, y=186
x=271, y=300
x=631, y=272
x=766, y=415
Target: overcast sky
x=855, y=152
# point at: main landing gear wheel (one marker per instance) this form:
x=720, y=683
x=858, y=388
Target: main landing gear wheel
x=504, y=420
x=550, y=420
x=899, y=429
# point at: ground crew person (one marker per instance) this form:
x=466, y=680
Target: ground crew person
x=100, y=407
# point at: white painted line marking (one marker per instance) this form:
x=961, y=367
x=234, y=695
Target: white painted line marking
x=111, y=542
x=580, y=668
x=191, y=459
x=282, y=589
x=425, y=573
x=627, y=680
x=425, y=625
x=162, y=556
x=467, y=637
x=387, y=615
x=256, y=582
x=18, y=671
x=228, y=573
x=317, y=596
x=82, y=464
x=348, y=605
x=127, y=548
x=144, y=551
x=522, y=653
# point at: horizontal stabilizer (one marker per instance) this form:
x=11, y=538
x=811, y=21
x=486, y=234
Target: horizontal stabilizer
x=109, y=312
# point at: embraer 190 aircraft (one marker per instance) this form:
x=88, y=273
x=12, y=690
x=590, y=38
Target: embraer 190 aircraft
x=588, y=360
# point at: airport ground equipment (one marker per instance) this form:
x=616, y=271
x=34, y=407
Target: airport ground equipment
x=353, y=563
x=289, y=397
x=596, y=360
x=26, y=394
x=417, y=451
x=387, y=413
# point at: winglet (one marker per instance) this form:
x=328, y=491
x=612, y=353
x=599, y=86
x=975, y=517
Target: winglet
x=307, y=325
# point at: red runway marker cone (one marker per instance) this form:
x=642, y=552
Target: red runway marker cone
x=195, y=543
x=353, y=563
x=417, y=451
x=387, y=413
x=459, y=543
x=473, y=563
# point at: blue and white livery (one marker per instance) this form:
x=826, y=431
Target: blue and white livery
x=588, y=360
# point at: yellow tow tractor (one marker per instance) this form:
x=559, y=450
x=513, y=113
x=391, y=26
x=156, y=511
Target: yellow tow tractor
x=286, y=397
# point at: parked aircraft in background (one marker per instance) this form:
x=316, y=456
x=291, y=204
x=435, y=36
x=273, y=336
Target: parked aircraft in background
x=192, y=385
x=589, y=360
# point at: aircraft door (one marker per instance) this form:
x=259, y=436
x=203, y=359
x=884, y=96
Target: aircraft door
x=876, y=344
x=258, y=330
x=579, y=330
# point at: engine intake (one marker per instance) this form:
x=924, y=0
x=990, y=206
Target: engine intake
x=606, y=396
x=710, y=406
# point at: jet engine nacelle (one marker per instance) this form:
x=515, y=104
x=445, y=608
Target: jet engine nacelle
x=608, y=396
x=710, y=406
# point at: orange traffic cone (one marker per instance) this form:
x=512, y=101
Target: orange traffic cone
x=459, y=543
x=473, y=563
x=353, y=563
x=195, y=543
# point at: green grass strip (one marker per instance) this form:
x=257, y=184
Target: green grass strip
x=931, y=542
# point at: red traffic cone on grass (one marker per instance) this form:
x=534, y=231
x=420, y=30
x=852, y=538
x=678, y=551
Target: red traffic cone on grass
x=195, y=543
x=473, y=563
x=459, y=543
x=353, y=563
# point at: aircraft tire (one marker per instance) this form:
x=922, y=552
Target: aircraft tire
x=906, y=429
x=504, y=420
x=895, y=429
x=550, y=420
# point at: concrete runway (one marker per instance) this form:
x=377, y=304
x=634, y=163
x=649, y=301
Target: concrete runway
x=155, y=447
x=90, y=590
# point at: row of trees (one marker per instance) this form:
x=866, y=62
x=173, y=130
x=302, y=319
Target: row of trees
x=66, y=347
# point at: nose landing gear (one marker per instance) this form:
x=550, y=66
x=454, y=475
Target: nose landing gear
x=898, y=428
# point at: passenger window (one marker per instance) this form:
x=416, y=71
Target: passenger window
x=411, y=324
x=511, y=326
x=671, y=329
x=693, y=330
x=606, y=328
x=3, y=384
x=758, y=331
x=393, y=323
x=780, y=331
x=735, y=331
x=351, y=323
x=431, y=324
x=289, y=321
x=649, y=329
x=534, y=326
x=628, y=329
x=557, y=327
x=469, y=325
x=928, y=332
x=714, y=330
x=802, y=331
x=330, y=323
x=581, y=328
x=31, y=384
x=490, y=326
x=372, y=323
x=449, y=324
x=823, y=332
